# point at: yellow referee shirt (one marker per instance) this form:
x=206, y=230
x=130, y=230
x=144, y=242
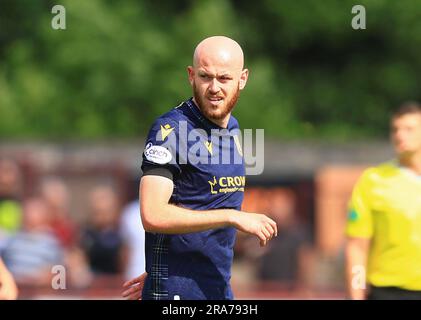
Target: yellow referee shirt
x=386, y=208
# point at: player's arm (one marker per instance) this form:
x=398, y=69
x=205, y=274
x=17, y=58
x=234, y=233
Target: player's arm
x=356, y=253
x=161, y=217
x=133, y=288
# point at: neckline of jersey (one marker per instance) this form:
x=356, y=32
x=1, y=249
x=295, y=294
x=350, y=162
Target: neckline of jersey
x=408, y=172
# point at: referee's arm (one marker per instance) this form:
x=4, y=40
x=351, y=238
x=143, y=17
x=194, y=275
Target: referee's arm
x=162, y=217
x=356, y=254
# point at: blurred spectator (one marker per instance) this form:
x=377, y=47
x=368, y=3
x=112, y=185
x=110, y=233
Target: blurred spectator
x=31, y=253
x=10, y=192
x=8, y=288
x=133, y=234
x=56, y=195
x=101, y=240
x=79, y=273
x=286, y=259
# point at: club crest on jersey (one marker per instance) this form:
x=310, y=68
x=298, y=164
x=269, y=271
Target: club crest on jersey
x=157, y=154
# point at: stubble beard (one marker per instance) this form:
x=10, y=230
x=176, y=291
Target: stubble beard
x=215, y=113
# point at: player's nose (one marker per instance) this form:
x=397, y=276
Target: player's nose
x=214, y=87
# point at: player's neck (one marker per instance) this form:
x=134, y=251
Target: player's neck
x=412, y=162
x=222, y=123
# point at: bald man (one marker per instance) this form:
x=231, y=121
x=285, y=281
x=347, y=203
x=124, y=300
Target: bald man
x=193, y=185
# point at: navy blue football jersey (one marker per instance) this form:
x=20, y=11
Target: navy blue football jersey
x=207, y=168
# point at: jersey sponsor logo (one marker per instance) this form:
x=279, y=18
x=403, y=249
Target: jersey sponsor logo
x=157, y=154
x=165, y=131
x=227, y=184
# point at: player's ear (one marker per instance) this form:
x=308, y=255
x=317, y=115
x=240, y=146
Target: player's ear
x=190, y=72
x=243, y=78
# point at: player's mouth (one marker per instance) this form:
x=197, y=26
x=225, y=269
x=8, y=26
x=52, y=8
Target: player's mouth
x=402, y=147
x=215, y=100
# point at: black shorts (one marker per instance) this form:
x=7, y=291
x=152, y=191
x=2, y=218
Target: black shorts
x=392, y=293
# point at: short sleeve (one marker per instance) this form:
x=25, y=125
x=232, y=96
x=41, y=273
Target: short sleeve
x=161, y=150
x=360, y=220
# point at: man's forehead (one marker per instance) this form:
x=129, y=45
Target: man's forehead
x=214, y=70
x=410, y=118
x=218, y=66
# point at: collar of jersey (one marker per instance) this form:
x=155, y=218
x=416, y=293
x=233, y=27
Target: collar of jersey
x=199, y=115
x=407, y=171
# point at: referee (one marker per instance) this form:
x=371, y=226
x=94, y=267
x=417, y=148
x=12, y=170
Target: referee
x=192, y=189
x=384, y=221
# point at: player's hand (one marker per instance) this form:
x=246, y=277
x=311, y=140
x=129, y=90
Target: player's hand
x=8, y=288
x=257, y=224
x=134, y=288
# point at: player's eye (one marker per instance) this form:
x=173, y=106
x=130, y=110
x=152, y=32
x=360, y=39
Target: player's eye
x=225, y=78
